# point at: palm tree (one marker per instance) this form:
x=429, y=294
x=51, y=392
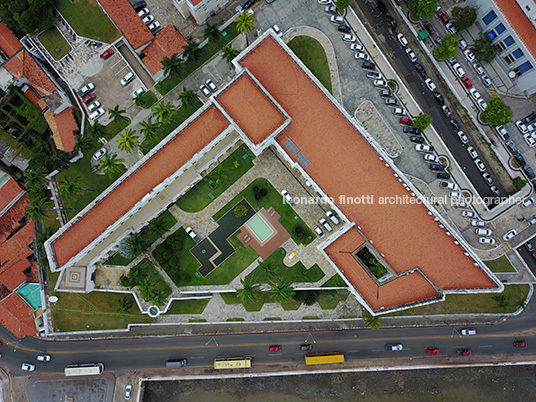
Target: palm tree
x=41, y=238
x=219, y=174
x=188, y=97
x=34, y=177
x=171, y=65
x=372, y=321
x=250, y=290
x=229, y=53
x=110, y=163
x=137, y=244
x=69, y=186
x=520, y=303
x=57, y=161
x=125, y=304
x=128, y=141
x=158, y=297
x=150, y=129
x=163, y=112
x=191, y=49
x=158, y=227
x=502, y=302
x=97, y=130
x=36, y=212
x=146, y=288
x=245, y=23
x=117, y=114
x=83, y=143
x=212, y=33
x=281, y=290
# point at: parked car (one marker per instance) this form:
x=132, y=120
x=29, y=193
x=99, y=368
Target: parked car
x=204, y=89
x=454, y=124
x=458, y=70
x=486, y=81
x=469, y=55
x=402, y=39
x=468, y=331
x=468, y=214
x=467, y=82
x=86, y=89
x=424, y=148
x=446, y=110
x=286, y=196
x=529, y=172
x=344, y=29
x=148, y=19
x=502, y=132
x=529, y=139
x=391, y=101
x=349, y=38
x=520, y=344
x=386, y=93
x=463, y=352
x=325, y=224
x=399, y=111
x=463, y=138
x=487, y=178
x=521, y=126
x=394, y=347
x=508, y=235
x=416, y=139
x=324, y=1
x=128, y=391
x=211, y=85
x=527, y=203
x=483, y=232
x=190, y=232
x=472, y=152
x=97, y=114
x=88, y=97
x=477, y=223
x=362, y=56
x=319, y=232
x=480, y=165
x=437, y=167
x=336, y=19
x=379, y=83
x=432, y=351
x=486, y=240
x=437, y=96
x=430, y=158
x=429, y=27
x=374, y=75
x=478, y=68
x=462, y=44
x=143, y=12
x=448, y=185
x=138, y=92
x=532, y=220
x=443, y=17
x=405, y=120
x=356, y=47
x=277, y=30
x=482, y=105
x=411, y=55
x=331, y=9
x=332, y=217
x=154, y=26
x=420, y=70
x=139, y=5
x=430, y=84
x=127, y=78
x=107, y=53
x=443, y=175
x=94, y=106
x=411, y=130
x=451, y=28
x=368, y=65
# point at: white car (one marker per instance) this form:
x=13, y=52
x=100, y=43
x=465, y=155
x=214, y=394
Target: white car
x=411, y=55
x=527, y=203
x=531, y=127
x=287, y=197
x=482, y=104
x=128, y=391
x=192, y=234
x=486, y=81
x=468, y=331
x=483, y=232
x=463, y=137
x=204, y=89
x=402, y=39
x=349, y=38
x=142, y=13
x=319, y=232
x=211, y=85
x=138, y=92
x=94, y=106
x=325, y=224
x=336, y=19
x=448, y=185
x=324, y=1
x=97, y=113
x=399, y=111
x=521, y=126
x=154, y=26
x=331, y=216
x=277, y=30
x=374, y=75
x=455, y=194
x=362, y=56
x=451, y=28
x=486, y=240
x=430, y=84
x=99, y=154
x=357, y=47
x=431, y=158
x=477, y=223
x=480, y=165
x=43, y=358
x=380, y=83
x=471, y=151
x=147, y=20
x=488, y=178
x=423, y=148
x=28, y=366
x=462, y=44
x=478, y=68
x=529, y=139
x=469, y=55
x=394, y=347
x=458, y=69
x=468, y=214
x=475, y=94
x=86, y=89
x=502, y=131
x=508, y=235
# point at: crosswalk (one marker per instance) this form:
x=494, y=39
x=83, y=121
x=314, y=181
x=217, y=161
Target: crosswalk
x=492, y=91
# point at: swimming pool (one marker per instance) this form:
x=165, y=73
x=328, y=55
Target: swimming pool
x=259, y=227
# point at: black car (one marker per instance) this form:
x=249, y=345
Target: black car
x=443, y=175
x=530, y=173
x=248, y=4
x=381, y=6
x=418, y=140
x=307, y=346
x=368, y=65
x=139, y=5
x=437, y=166
x=455, y=125
x=344, y=29
x=511, y=146
x=520, y=158
x=420, y=70
x=412, y=130
x=529, y=118
x=438, y=98
x=390, y=21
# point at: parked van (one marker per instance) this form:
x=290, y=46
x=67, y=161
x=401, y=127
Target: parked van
x=176, y=363
x=127, y=78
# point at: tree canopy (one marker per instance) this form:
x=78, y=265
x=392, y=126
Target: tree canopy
x=342, y=4
x=27, y=16
x=422, y=8
x=448, y=48
x=422, y=121
x=465, y=17
x=497, y=113
x=485, y=50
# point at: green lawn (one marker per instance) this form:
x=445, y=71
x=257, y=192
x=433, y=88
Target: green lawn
x=147, y=270
x=118, y=259
x=295, y=273
x=115, y=127
x=181, y=266
x=88, y=20
x=466, y=304
x=288, y=217
x=501, y=264
x=93, y=311
x=329, y=299
x=188, y=306
x=312, y=54
x=191, y=65
x=234, y=167
x=334, y=281
x=146, y=100
x=55, y=43
x=177, y=118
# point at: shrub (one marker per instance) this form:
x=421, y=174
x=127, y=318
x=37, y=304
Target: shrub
x=240, y=211
x=307, y=297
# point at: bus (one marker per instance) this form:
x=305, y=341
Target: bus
x=84, y=369
x=324, y=358
x=232, y=362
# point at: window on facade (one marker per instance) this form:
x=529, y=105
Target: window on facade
x=509, y=59
x=518, y=53
x=500, y=29
x=489, y=17
x=526, y=66
x=509, y=41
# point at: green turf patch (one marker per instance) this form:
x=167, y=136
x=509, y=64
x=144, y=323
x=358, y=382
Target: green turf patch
x=288, y=217
x=274, y=267
x=196, y=306
x=114, y=127
x=217, y=181
x=330, y=299
x=146, y=100
x=312, y=54
x=334, y=281
x=145, y=272
x=88, y=20
x=118, y=259
x=501, y=264
x=55, y=43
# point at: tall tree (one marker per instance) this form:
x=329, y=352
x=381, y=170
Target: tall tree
x=212, y=33
x=172, y=65
x=117, y=114
x=245, y=22
x=497, y=113
x=485, y=50
x=281, y=290
x=128, y=141
x=422, y=8
x=125, y=304
x=188, y=96
x=57, y=161
x=229, y=53
x=150, y=129
x=69, y=186
x=137, y=244
x=67, y=180
x=27, y=15
x=372, y=321
x=157, y=227
x=465, y=17
x=448, y=48
x=111, y=163
x=219, y=174
x=163, y=112
x=146, y=287
x=34, y=177
x=83, y=143
x=96, y=130
x=249, y=292
x=36, y=211
x=342, y=4
x=422, y=121
x=192, y=50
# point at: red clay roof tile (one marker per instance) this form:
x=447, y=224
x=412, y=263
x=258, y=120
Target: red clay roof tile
x=17, y=316
x=22, y=64
x=166, y=43
x=8, y=42
x=14, y=253
x=63, y=127
x=128, y=22
x=8, y=191
x=33, y=98
x=519, y=23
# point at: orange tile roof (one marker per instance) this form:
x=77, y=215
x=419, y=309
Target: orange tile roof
x=17, y=316
x=166, y=43
x=128, y=22
x=195, y=2
x=14, y=254
x=22, y=64
x=161, y=165
x=10, y=220
x=33, y=97
x=249, y=107
x=519, y=23
x=8, y=42
x=8, y=191
x=63, y=127
x=404, y=233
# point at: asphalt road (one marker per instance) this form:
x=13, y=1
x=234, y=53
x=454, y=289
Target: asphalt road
x=424, y=96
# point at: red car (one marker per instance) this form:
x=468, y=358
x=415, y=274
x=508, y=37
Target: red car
x=405, y=120
x=275, y=348
x=432, y=351
x=429, y=27
x=443, y=17
x=107, y=53
x=467, y=82
x=88, y=98
x=464, y=352
x=520, y=344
